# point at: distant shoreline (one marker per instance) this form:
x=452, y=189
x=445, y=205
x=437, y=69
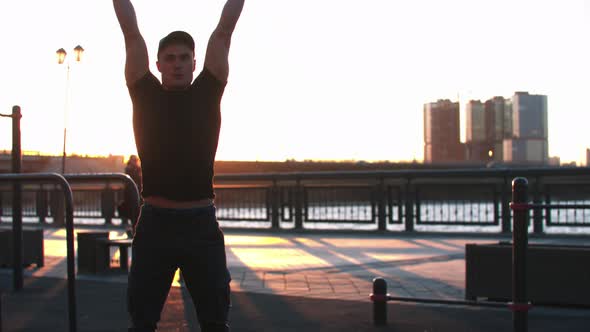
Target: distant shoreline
x=116, y=163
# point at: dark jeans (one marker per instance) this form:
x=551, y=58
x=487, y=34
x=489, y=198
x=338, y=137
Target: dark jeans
x=189, y=239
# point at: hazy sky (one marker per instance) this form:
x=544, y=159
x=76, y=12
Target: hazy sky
x=309, y=79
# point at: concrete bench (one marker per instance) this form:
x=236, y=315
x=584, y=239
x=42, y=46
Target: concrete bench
x=94, y=252
x=103, y=256
x=555, y=274
x=87, y=250
x=33, y=248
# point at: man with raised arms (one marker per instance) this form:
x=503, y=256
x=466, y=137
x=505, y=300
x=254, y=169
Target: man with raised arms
x=176, y=125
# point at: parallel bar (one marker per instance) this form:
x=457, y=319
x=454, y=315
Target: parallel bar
x=69, y=201
x=449, y=302
x=379, y=297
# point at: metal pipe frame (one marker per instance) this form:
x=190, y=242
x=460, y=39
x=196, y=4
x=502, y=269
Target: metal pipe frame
x=64, y=182
x=18, y=245
x=102, y=177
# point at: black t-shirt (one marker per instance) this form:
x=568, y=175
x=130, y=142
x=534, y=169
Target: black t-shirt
x=176, y=134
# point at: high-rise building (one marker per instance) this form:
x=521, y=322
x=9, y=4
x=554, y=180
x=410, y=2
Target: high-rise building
x=529, y=142
x=476, y=123
x=487, y=125
x=442, y=132
x=554, y=161
x=587, y=157
x=498, y=125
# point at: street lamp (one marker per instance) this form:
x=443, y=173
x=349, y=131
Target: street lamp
x=61, y=59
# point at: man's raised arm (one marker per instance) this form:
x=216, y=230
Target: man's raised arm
x=216, y=59
x=137, y=63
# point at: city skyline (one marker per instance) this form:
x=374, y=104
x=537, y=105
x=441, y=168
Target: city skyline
x=349, y=84
x=498, y=130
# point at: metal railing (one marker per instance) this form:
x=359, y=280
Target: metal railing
x=406, y=200
x=520, y=303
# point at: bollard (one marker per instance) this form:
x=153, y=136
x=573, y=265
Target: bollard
x=520, y=208
x=379, y=298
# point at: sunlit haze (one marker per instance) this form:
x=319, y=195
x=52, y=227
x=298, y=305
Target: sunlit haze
x=327, y=80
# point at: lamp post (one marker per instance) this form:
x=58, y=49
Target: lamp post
x=61, y=59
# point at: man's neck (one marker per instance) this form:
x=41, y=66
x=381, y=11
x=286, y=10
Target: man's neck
x=174, y=88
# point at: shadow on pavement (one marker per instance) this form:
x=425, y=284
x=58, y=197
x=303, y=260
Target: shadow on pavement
x=42, y=306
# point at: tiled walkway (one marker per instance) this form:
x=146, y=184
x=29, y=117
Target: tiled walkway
x=289, y=282
x=322, y=265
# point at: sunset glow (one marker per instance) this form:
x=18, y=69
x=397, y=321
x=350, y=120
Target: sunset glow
x=327, y=80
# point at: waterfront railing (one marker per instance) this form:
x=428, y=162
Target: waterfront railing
x=398, y=201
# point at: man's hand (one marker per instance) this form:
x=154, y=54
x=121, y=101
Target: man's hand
x=216, y=59
x=137, y=63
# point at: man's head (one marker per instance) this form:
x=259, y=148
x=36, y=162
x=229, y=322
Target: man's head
x=133, y=159
x=176, y=60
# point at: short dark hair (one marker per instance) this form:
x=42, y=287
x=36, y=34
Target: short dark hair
x=176, y=37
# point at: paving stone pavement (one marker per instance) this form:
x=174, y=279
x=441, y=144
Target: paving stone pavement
x=287, y=281
x=321, y=265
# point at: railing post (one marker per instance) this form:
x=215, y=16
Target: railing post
x=381, y=198
x=520, y=209
x=497, y=215
x=298, y=205
x=17, y=203
x=274, y=205
x=505, y=198
x=41, y=204
x=57, y=208
x=409, y=206
x=537, y=213
x=547, y=210
x=107, y=204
